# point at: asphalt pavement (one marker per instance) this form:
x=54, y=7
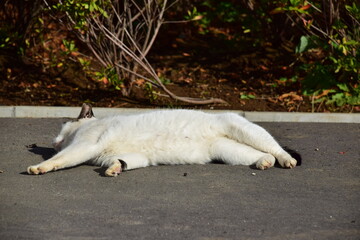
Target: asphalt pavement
x=320, y=199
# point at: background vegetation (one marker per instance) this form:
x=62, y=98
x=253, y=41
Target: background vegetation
x=310, y=46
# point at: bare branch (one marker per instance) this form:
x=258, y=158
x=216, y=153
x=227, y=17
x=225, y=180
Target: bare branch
x=123, y=39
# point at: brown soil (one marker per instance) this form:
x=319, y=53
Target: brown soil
x=246, y=81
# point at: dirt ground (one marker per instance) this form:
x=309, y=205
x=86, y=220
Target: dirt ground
x=253, y=81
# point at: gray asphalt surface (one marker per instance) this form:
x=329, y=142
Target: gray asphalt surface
x=318, y=200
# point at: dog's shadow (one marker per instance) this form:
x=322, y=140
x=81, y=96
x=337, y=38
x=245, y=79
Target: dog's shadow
x=44, y=152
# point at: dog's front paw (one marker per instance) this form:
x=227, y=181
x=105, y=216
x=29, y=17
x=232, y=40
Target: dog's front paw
x=33, y=170
x=40, y=169
x=36, y=170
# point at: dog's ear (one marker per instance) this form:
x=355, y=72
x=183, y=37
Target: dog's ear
x=86, y=111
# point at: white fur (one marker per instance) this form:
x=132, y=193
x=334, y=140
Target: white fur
x=163, y=137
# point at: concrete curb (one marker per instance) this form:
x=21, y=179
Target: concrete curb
x=71, y=112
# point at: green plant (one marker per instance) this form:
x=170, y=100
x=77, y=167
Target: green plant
x=69, y=46
x=16, y=19
x=8, y=40
x=338, y=97
x=80, y=11
x=201, y=21
x=151, y=94
x=328, y=52
x=214, y=15
x=348, y=95
x=247, y=96
x=109, y=75
x=164, y=80
x=12, y=39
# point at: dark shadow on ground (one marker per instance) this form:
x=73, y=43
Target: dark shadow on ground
x=44, y=152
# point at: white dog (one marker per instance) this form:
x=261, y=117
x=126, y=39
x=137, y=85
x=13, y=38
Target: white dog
x=162, y=137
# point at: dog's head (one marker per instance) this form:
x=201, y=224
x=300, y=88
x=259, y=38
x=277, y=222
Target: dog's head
x=69, y=129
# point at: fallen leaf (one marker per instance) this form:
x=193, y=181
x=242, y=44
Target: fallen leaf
x=277, y=10
x=291, y=109
x=305, y=7
x=324, y=93
x=179, y=40
x=198, y=17
x=140, y=82
x=264, y=68
x=62, y=47
x=292, y=95
x=51, y=86
x=105, y=80
x=188, y=80
x=74, y=54
x=222, y=80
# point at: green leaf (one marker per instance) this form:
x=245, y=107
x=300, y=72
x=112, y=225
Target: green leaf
x=354, y=100
x=247, y=96
x=295, y=2
x=304, y=43
x=339, y=99
x=333, y=59
x=343, y=87
x=104, y=13
x=319, y=77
